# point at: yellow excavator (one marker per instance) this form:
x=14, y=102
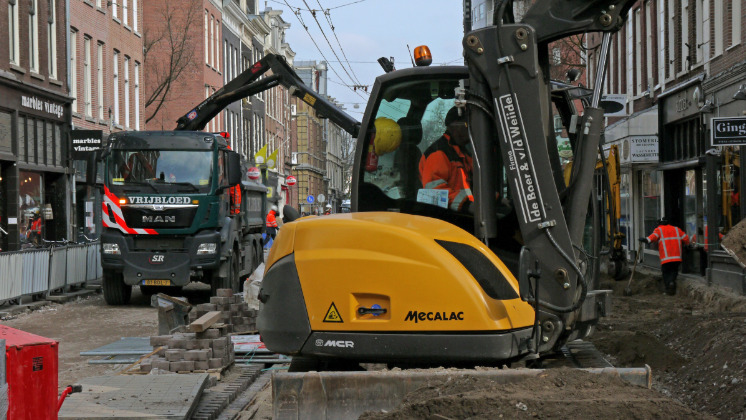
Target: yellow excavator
x=407, y=278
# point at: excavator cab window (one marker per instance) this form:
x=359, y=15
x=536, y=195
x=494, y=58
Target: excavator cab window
x=410, y=118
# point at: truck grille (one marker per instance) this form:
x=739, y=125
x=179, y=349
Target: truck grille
x=152, y=219
x=158, y=243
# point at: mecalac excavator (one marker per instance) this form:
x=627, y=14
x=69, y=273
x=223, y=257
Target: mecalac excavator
x=406, y=279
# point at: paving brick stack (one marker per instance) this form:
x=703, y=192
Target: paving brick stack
x=236, y=314
x=209, y=349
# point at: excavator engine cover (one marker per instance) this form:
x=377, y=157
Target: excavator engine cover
x=416, y=289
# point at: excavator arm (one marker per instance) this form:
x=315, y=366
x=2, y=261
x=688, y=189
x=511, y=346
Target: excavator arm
x=250, y=83
x=509, y=74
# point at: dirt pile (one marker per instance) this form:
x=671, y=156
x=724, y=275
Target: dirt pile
x=555, y=394
x=694, y=342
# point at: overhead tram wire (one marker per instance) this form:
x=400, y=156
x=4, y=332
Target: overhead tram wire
x=322, y=10
x=313, y=14
x=331, y=25
x=297, y=15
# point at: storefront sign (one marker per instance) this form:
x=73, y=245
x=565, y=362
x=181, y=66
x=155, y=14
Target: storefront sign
x=85, y=142
x=640, y=149
x=728, y=131
x=31, y=102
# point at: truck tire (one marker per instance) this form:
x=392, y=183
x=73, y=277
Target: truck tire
x=230, y=282
x=115, y=291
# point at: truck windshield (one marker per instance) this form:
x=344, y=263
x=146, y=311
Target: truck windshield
x=161, y=171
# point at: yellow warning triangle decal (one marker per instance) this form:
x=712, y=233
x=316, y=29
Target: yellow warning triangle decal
x=332, y=315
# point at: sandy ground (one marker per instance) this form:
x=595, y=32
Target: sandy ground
x=694, y=343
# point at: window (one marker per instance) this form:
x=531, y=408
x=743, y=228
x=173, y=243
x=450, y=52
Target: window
x=217, y=45
x=33, y=36
x=649, y=43
x=137, y=95
x=134, y=15
x=98, y=3
x=718, y=20
x=630, y=56
x=212, y=37
x=662, y=42
x=207, y=42
x=556, y=56
x=13, y=31
x=735, y=13
x=88, y=106
x=114, y=12
x=126, y=91
x=124, y=12
x=226, y=50
x=671, y=37
x=638, y=53
x=52, y=40
x=73, y=67
x=685, y=57
x=100, y=80
x=699, y=31
x=115, y=72
x=652, y=203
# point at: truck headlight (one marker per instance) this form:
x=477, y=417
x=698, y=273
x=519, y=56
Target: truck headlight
x=209, y=248
x=112, y=249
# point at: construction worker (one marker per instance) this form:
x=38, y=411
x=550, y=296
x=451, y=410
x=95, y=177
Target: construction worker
x=670, y=239
x=271, y=225
x=446, y=164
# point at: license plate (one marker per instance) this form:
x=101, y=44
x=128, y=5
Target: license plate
x=156, y=282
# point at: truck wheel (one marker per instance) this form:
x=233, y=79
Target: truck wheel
x=218, y=282
x=115, y=291
x=235, y=281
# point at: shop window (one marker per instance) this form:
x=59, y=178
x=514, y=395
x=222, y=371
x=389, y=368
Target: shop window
x=683, y=141
x=625, y=216
x=690, y=202
x=652, y=187
x=40, y=142
x=6, y=136
x=58, y=145
x=30, y=209
x=730, y=188
x=50, y=143
x=21, y=138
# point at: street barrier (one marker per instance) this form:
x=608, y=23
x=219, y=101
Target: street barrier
x=41, y=271
x=35, y=271
x=11, y=275
x=77, y=265
x=91, y=260
x=57, y=268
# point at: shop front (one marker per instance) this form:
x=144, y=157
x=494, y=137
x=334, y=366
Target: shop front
x=640, y=183
x=34, y=182
x=687, y=188
x=725, y=123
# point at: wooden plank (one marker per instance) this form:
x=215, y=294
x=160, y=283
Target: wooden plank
x=205, y=321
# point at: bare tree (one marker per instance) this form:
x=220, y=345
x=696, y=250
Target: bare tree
x=169, y=51
x=347, y=159
x=566, y=54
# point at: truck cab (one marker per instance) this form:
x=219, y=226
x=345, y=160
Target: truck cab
x=169, y=216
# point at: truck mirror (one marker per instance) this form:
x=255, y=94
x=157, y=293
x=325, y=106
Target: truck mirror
x=529, y=269
x=91, y=168
x=234, y=168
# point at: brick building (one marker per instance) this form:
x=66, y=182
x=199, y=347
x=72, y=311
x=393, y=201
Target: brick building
x=181, y=74
x=34, y=122
x=106, y=74
x=680, y=64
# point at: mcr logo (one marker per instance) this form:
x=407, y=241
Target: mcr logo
x=156, y=259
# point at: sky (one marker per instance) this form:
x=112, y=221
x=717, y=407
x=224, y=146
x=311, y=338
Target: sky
x=367, y=30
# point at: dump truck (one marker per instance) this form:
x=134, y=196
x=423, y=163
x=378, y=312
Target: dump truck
x=409, y=280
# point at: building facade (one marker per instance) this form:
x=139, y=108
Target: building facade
x=106, y=71
x=680, y=64
x=183, y=59
x=35, y=112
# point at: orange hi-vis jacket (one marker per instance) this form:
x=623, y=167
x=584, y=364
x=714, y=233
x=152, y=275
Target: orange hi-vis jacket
x=669, y=240
x=446, y=166
x=271, y=220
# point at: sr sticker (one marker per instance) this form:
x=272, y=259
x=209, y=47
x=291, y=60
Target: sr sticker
x=332, y=315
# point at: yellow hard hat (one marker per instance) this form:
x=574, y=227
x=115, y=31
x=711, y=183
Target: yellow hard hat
x=388, y=136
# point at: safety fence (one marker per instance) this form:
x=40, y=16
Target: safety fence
x=37, y=272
